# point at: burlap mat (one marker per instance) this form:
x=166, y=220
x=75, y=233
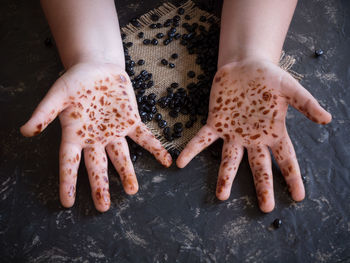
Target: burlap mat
x=163, y=76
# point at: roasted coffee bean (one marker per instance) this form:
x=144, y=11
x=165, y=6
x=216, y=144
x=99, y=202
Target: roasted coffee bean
x=154, y=42
x=318, y=52
x=159, y=25
x=154, y=17
x=277, y=223
x=168, y=137
x=177, y=36
x=164, y=62
x=166, y=42
x=166, y=130
x=174, y=85
x=178, y=127
x=189, y=124
x=181, y=11
x=160, y=35
x=191, y=74
x=146, y=41
x=141, y=35
x=171, y=65
x=162, y=123
x=135, y=22
x=123, y=35
x=167, y=23
x=202, y=19
x=158, y=117
x=153, y=26
x=140, y=62
x=174, y=56
x=133, y=157
x=129, y=44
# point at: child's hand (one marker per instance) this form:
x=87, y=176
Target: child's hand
x=97, y=109
x=248, y=106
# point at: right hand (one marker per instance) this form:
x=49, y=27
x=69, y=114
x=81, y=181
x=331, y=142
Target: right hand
x=248, y=105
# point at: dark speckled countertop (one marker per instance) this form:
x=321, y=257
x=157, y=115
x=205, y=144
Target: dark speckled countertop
x=175, y=217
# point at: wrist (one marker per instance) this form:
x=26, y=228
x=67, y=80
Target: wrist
x=93, y=56
x=248, y=53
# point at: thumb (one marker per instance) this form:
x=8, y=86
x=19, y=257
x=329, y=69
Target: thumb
x=53, y=103
x=303, y=101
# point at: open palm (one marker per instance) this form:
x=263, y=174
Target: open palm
x=248, y=106
x=97, y=109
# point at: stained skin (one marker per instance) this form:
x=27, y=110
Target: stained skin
x=97, y=108
x=248, y=106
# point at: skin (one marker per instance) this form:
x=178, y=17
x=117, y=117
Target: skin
x=94, y=100
x=249, y=99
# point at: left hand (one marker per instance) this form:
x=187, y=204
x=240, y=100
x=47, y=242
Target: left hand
x=248, y=106
x=97, y=108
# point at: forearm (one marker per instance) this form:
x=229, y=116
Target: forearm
x=254, y=28
x=85, y=30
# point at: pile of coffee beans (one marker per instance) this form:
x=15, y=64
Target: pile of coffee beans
x=192, y=100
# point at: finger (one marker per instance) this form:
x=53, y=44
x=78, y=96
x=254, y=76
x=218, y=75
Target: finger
x=69, y=163
x=203, y=139
x=284, y=154
x=260, y=164
x=51, y=105
x=96, y=165
x=303, y=101
x=231, y=158
x=144, y=137
x=118, y=152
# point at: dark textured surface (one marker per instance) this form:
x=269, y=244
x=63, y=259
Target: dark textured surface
x=175, y=216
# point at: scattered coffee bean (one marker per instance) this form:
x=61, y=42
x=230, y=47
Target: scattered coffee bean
x=162, y=123
x=154, y=17
x=174, y=85
x=141, y=35
x=202, y=19
x=133, y=157
x=158, y=117
x=277, y=223
x=160, y=35
x=318, y=52
x=174, y=56
x=191, y=74
x=154, y=42
x=181, y=11
x=140, y=62
x=146, y=41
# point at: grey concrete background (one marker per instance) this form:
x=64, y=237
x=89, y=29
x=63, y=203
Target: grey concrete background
x=175, y=217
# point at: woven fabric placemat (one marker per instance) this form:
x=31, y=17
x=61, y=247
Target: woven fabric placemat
x=163, y=76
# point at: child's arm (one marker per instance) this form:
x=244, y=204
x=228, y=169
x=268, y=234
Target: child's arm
x=94, y=99
x=249, y=100
x=85, y=31
x=254, y=29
